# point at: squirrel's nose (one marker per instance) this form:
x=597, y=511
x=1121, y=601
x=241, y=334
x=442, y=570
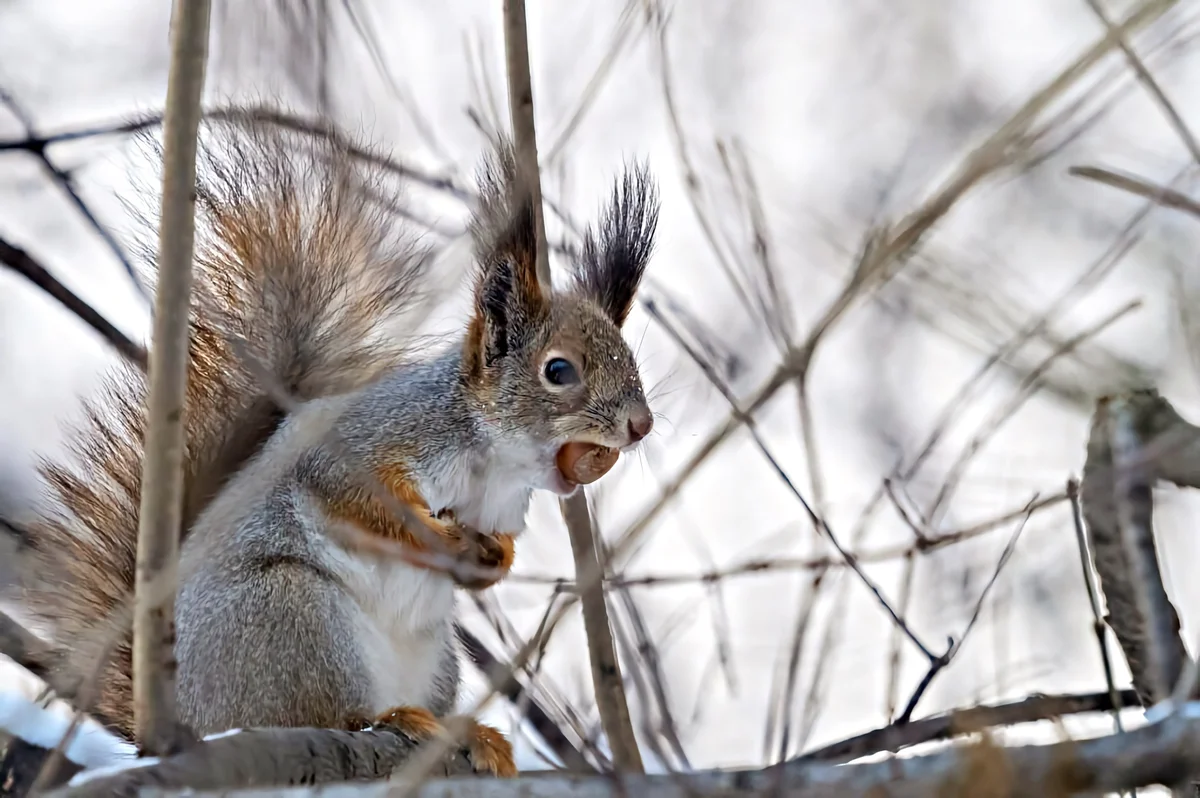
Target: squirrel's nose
x=640, y=424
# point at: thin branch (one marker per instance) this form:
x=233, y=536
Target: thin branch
x=606, y=671
x=817, y=522
x=64, y=182
x=817, y=563
x=940, y=664
x=533, y=712
x=160, y=514
x=520, y=106
x=876, y=264
x=25, y=265
x=1152, y=86
x=1089, y=580
x=960, y=722
x=24, y=648
x=1161, y=195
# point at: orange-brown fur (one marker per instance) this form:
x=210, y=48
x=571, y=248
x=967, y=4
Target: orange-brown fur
x=418, y=723
x=489, y=750
x=259, y=238
x=367, y=512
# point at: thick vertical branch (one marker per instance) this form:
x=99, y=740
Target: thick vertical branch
x=606, y=672
x=607, y=681
x=162, y=470
x=1132, y=483
x=520, y=103
x=1134, y=440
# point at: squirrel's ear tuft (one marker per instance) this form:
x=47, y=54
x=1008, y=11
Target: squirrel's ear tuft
x=508, y=297
x=614, y=257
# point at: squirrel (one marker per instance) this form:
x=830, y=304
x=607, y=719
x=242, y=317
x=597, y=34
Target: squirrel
x=300, y=270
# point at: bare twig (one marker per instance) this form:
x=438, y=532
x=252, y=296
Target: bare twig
x=160, y=514
x=25, y=265
x=64, y=181
x=1089, y=580
x=520, y=102
x=898, y=735
x=606, y=671
x=876, y=263
x=24, y=648
x=1161, y=195
x=940, y=664
x=1152, y=86
x=533, y=712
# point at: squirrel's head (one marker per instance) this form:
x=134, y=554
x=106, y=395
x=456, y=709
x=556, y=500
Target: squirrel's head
x=552, y=367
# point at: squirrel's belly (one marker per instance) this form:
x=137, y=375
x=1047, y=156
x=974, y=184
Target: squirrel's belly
x=403, y=626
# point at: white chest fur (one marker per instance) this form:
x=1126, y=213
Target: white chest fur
x=489, y=492
x=401, y=621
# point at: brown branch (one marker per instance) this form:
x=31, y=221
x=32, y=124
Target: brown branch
x=961, y=722
x=606, y=671
x=816, y=563
x=160, y=513
x=25, y=648
x=607, y=681
x=537, y=717
x=520, y=106
x=1117, y=508
x=1089, y=580
x=1174, y=118
x=1160, y=753
x=1161, y=195
x=63, y=180
x=265, y=758
x=25, y=265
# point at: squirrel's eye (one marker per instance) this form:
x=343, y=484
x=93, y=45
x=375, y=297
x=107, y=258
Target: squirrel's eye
x=561, y=372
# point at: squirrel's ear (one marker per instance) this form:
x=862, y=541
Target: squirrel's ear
x=508, y=297
x=614, y=258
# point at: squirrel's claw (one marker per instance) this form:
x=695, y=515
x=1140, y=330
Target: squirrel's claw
x=489, y=751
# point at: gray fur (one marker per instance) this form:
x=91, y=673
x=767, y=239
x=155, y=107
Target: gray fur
x=277, y=623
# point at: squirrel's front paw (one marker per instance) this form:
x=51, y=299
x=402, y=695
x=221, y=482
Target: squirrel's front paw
x=494, y=552
x=489, y=750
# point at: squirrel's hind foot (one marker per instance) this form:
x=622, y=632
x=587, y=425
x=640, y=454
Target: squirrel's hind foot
x=488, y=750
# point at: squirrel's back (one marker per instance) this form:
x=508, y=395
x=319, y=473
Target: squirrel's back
x=304, y=277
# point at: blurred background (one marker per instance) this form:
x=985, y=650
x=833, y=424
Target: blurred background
x=931, y=412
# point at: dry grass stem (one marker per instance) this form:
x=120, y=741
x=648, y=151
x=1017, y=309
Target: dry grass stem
x=1160, y=195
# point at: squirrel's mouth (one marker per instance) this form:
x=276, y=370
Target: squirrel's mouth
x=581, y=463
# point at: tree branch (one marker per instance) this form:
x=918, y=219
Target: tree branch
x=960, y=722
x=264, y=758
x=160, y=515
x=1117, y=508
x=1160, y=753
x=606, y=671
x=25, y=265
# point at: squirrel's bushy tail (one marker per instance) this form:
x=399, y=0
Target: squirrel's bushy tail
x=303, y=264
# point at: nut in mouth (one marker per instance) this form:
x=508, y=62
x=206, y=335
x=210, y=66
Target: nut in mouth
x=582, y=463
